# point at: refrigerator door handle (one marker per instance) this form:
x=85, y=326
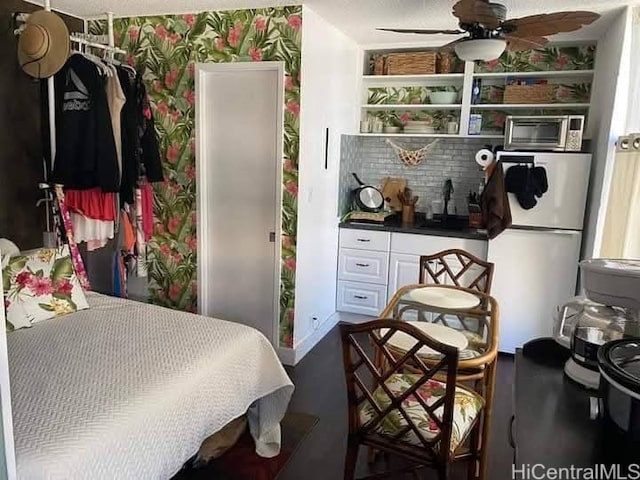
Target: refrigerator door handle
x=559, y=231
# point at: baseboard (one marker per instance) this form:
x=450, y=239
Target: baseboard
x=306, y=344
x=286, y=355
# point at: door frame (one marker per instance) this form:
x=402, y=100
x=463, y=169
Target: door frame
x=203, y=71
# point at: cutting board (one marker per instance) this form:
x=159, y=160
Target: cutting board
x=390, y=188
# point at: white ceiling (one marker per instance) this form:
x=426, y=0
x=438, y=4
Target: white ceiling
x=358, y=18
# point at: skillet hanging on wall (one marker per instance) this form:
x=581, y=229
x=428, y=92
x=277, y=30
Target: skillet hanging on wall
x=367, y=197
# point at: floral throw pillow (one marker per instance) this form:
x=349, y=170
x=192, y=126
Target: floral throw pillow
x=39, y=286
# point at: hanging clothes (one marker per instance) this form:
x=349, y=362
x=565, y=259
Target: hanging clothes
x=146, y=199
x=92, y=203
x=116, y=101
x=140, y=154
x=78, y=264
x=86, y=151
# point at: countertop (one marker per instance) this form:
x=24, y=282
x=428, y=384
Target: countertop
x=552, y=423
x=456, y=227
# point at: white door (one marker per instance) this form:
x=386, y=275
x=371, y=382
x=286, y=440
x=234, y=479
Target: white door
x=403, y=270
x=535, y=271
x=562, y=206
x=239, y=180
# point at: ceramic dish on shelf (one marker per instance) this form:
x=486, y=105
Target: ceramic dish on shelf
x=391, y=129
x=443, y=98
x=446, y=298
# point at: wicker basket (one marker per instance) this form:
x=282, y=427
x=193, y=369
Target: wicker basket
x=527, y=94
x=379, y=62
x=410, y=63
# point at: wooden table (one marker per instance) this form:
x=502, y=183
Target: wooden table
x=477, y=363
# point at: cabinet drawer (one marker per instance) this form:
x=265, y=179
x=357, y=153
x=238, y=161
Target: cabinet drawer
x=364, y=298
x=365, y=239
x=363, y=266
x=429, y=244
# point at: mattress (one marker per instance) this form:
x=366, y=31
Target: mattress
x=130, y=390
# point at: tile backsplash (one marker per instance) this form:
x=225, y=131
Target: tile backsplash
x=373, y=159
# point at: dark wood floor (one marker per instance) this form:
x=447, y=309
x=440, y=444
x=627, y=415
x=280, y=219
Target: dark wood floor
x=320, y=390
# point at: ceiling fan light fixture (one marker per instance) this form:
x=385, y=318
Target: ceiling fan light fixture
x=480, y=49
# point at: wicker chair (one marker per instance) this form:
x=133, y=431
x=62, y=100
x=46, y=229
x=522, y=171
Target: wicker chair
x=413, y=415
x=456, y=267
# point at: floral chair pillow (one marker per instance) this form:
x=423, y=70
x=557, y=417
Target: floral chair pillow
x=40, y=285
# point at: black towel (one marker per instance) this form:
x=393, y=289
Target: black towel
x=526, y=183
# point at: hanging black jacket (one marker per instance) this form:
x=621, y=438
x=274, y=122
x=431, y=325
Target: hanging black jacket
x=85, y=148
x=140, y=154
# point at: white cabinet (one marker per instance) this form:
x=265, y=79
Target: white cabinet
x=374, y=265
x=363, y=266
x=403, y=270
x=365, y=239
x=363, y=270
x=360, y=297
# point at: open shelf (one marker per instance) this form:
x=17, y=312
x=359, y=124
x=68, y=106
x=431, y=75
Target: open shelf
x=532, y=106
x=423, y=106
x=393, y=78
x=428, y=135
x=553, y=73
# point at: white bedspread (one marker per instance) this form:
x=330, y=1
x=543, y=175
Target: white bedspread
x=129, y=390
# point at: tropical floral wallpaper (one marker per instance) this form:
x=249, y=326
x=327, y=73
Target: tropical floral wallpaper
x=165, y=49
x=542, y=59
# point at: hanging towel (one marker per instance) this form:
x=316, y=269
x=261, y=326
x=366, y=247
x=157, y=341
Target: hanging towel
x=495, y=203
x=526, y=183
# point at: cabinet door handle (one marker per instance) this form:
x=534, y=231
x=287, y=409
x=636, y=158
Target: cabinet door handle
x=362, y=265
x=360, y=297
x=363, y=239
x=512, y=441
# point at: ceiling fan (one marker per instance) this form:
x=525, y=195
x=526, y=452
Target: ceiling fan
x=489, y=32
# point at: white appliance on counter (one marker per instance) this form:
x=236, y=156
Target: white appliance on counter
x=536, y=260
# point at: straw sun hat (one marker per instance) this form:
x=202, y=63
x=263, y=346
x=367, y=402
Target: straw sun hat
x=43, y=47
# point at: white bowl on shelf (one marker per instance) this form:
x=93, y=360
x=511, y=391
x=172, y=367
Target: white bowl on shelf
x=391, y=129
x=443, y=98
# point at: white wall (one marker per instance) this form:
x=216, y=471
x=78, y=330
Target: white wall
x=607, y=119
x=633, y=113
x=329, y=98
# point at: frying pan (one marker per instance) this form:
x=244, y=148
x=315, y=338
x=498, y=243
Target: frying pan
x=367, y=197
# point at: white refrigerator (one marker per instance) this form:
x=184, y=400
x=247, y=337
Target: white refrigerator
x=536, y=260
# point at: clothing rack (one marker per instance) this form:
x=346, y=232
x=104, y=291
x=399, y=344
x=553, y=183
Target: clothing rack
x=93, y=41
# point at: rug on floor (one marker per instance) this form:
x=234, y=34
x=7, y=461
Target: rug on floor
x=240, y=462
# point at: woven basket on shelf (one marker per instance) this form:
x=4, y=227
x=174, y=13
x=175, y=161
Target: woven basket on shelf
x=410, y=63
x=542, y=93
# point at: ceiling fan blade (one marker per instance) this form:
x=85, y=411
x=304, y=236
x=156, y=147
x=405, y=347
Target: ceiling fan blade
x=476, y=11
x=421, y=31
x=516, y=44
x=548, y=23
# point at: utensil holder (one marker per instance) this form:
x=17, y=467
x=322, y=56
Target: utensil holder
x=408, y=212
x=475, y=220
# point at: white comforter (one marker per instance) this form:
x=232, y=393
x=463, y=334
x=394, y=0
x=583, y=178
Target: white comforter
x=129, y=390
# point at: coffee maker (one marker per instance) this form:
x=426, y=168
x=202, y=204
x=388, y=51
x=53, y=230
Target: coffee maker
x=609, y=311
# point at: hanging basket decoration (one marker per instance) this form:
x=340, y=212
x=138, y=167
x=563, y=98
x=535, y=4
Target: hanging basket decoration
x=411, y=158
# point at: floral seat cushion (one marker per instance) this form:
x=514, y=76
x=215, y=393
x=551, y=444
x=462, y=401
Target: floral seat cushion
x=467, y=407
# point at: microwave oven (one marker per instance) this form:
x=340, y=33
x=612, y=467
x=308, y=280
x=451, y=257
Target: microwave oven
x=558, y=133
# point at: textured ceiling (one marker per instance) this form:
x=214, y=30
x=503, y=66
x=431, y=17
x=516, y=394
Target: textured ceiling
x=358, y=18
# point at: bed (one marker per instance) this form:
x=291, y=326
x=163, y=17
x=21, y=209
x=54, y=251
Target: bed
x=130, y=390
